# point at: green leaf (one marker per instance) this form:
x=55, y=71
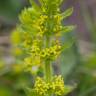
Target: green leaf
x=68, y=44
x=68, y=89
x=36, y=6
x=88, y=91
x=59, y=2
x=42, y=2
x=67, y=13
x=68, y=28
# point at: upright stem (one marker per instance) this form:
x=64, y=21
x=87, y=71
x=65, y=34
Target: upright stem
x=48, y=67
x=48, y=72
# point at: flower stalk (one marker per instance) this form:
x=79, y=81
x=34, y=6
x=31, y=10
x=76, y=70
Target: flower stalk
x=48, y=71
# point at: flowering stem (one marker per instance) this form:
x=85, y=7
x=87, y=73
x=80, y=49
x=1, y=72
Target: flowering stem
x=48, y=67
x=48, y=72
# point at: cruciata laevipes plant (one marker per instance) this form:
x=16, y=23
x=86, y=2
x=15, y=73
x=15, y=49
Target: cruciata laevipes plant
x=40, y=30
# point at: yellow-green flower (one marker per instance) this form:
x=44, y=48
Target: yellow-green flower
x=58, y=85
x=55, y=87
x=51, y=53
x=40, y=87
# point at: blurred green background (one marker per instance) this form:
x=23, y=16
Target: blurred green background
x=77, y=63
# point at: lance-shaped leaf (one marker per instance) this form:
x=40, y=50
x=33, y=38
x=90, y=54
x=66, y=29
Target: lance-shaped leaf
x=42, y=2
x=68, y=89
x=59, y=1
x=35, y=5
x=68, y=28
x=68, y=44
x=67, y=13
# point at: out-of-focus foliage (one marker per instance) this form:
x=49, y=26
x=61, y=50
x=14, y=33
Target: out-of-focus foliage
x=9, y=9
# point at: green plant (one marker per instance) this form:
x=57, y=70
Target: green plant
x=40, y=30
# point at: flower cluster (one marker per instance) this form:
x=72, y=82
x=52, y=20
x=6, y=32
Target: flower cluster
x=55, y=87
x=58, y=85
x=51, y=53
x=35, y=48
x=37, y=56
x=58, y=27
x=40, y=87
